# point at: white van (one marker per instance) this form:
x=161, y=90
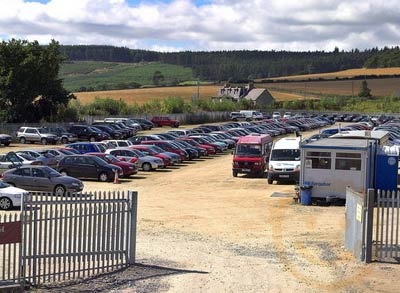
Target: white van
x=252, y=115
x=284, y=160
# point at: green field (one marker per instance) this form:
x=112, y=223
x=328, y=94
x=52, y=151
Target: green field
x=88, y=75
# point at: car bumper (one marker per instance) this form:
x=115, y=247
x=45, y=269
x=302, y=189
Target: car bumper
x=284, y=176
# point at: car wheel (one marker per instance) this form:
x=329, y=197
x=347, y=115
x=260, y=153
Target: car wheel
x=64, y=140
x=64, y=173
x=92, y=139
x=6, y=144
x=43, y=141
x=59, y=190
x=5, y=203
x=269, y=180
x=234, y=173
x=22, y=140
x=103, y=177
x=146, y=167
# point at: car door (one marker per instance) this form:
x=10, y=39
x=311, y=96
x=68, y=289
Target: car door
x=90, y=167
x=40, y=180
x=21, y=178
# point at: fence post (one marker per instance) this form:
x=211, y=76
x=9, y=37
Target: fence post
x=369, y=227
x=132, y=197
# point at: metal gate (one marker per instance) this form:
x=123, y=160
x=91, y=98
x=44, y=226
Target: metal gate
x=10, y=247
x=74, y=236
x=386, y=222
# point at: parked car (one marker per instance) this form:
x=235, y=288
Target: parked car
x=10, y=196
x=64, y=135
x=84, y=147
x=89, y=167
x=164, y=121
x=146, y=163
x=150, y=150
x=12, y=160
x=46, y=158
x=5, y=139
x=127, y=168
x=144, y=123
x=114, y=134
x=36, y=134
x=42, y=178
x=85, y=132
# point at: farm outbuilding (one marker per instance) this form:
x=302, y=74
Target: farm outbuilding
x=260, y=97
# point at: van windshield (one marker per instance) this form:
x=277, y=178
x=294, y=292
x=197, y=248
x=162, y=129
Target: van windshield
x=285, y=155
x=248, y=150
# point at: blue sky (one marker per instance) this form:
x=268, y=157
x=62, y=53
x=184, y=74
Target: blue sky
x=176, y=25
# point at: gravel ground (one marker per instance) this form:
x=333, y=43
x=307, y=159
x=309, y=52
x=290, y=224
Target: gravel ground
x=201, y=230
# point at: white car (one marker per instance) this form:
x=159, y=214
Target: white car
x=10, y=196
x=146, y=163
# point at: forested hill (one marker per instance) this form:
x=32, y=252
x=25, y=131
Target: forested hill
x=385, y=58
x=236, y=65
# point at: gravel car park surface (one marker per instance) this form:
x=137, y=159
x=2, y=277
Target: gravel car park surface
x=202, y=230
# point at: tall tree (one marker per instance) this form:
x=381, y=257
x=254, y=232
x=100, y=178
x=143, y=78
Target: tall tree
x=30, y=89
x=364, y=90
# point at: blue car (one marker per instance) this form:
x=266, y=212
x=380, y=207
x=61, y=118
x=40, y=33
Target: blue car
x=84, y=147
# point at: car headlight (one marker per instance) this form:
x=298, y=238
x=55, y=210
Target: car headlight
x=75, y=184
x=257, y=164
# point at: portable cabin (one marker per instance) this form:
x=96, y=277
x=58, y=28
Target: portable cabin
x=331, y=164
x=381, y=136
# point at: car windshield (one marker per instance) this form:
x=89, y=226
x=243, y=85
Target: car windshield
x=3, y=184
x=26, y=157
x=43, y=130
x=157, y=149
x=99, y=161
x=149, y=151
x=137, y=153
x=52, y=172
x=123, y=144
x=111, y=159
x=249, y=150
x=285, y=155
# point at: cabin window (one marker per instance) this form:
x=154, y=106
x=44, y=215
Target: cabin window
x=318, y=160
x=348, y=161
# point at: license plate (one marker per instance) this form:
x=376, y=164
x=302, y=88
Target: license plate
x=283, y=176
x=246, y=170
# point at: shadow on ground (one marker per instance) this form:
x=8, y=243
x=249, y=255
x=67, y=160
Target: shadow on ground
x=120, y=279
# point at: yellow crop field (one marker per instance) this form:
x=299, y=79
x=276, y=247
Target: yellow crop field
x=343, y=74
x=141, y=96
x=285, y=96
x=144, y=95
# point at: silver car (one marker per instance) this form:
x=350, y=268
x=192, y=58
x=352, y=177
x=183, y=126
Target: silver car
x=42, y=178
x=147, y=163
x=36, y=134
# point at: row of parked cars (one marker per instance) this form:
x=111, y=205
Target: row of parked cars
x=60, y=170
x=109, y=128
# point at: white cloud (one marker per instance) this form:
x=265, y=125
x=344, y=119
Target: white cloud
x=217, y=25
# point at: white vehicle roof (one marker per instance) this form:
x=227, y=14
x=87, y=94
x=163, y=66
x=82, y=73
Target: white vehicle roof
x=287, y=143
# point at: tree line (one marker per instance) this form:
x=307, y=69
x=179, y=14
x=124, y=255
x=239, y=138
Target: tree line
x=234, y=65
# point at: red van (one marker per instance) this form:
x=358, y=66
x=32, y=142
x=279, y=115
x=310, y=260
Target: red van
x=251, y=155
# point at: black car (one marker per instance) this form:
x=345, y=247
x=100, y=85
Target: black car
x=86, y=132
x=91, y=167
x=5, y=139
x=115, y=134
x=144, y=123
x=64, y=135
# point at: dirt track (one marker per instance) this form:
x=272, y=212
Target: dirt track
x=201, y=230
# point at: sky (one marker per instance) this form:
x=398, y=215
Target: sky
x=205, y=25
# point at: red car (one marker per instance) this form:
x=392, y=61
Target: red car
x=164, y=121
x=210, y=149
x=128, y=169
x=166, y=146
x=148, y=151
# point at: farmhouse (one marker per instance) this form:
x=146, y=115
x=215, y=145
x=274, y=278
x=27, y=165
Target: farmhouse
x=235, y=93
x=259, y=97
